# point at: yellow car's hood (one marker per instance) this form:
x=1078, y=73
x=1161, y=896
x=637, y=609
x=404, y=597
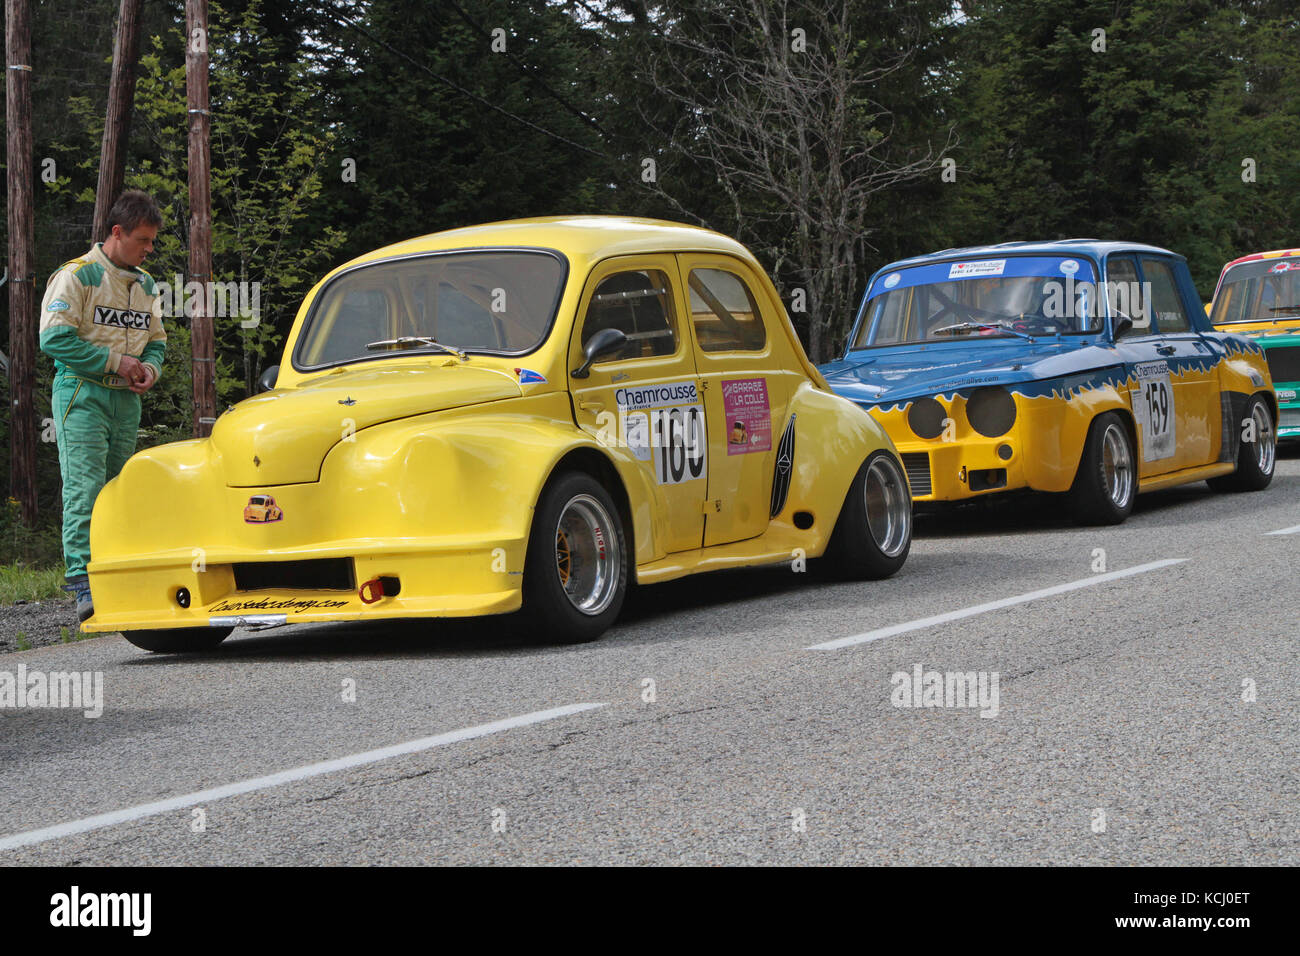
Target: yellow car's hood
x=281, y=436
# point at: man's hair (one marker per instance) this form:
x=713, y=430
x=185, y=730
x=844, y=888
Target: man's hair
x=133, y=208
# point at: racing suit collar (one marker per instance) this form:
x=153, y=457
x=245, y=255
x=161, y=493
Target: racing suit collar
x=98, y=254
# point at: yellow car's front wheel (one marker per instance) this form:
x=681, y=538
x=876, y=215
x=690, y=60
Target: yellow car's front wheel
x=575, y=577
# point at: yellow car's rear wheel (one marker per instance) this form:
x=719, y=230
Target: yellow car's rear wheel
x=575, y=577
x=873, y=535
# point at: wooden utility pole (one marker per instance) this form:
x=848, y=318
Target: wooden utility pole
x=201, y=337
x=117, y=123
x=22, y=259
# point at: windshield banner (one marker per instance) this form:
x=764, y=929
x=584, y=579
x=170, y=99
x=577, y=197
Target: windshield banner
x=1046, y=267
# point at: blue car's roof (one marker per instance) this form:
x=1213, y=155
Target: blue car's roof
x=1097, y=248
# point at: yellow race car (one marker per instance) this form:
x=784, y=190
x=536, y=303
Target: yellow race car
x=523, y=414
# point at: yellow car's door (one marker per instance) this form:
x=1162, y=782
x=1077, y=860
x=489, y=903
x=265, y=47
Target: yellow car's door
x=647, y=396
x=746, y=391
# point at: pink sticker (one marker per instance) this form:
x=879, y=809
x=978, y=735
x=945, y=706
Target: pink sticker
x=749, y=418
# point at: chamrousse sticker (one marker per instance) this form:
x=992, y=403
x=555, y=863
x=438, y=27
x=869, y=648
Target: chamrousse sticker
x=1069, y=267
x=664, y=424
x=892, y=279
x=749, y=415
x=985, y=267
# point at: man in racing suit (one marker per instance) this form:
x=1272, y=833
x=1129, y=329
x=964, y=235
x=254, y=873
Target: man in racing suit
x=101, y=322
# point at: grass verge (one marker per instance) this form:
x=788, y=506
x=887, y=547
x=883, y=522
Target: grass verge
x=21, y=583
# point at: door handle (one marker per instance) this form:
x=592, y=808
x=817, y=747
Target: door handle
x=594, y=407
x=1166, y=350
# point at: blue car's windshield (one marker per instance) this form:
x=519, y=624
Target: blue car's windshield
x=1016, y=295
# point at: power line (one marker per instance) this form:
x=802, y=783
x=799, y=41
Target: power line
x=345, y=21
x=530, y=72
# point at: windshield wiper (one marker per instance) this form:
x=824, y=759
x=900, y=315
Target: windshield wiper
x=405, y=340
x=979, y=327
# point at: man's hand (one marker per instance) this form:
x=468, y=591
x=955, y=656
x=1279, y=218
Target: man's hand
x=146, y=383
x=131, y=369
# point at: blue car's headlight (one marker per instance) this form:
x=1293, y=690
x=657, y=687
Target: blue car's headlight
x=991, y=411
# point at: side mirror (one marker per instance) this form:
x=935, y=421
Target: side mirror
x=604, y=342
x=1123, y=325
x=267, y=381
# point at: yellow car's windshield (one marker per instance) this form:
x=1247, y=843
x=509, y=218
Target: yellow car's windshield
x=500, y=302
x=1259, y=292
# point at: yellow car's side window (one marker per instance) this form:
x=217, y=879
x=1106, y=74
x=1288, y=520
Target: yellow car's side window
x=639, y=303
x=725, y=313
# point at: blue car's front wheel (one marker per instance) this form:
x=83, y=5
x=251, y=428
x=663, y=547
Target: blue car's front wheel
x=1106, y=483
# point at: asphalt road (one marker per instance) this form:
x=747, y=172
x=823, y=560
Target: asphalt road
x=1122, y=734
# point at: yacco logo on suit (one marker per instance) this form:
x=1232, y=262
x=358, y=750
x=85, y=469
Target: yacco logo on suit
x=121, y=318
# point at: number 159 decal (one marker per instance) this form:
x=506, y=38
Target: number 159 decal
x=1153, y=407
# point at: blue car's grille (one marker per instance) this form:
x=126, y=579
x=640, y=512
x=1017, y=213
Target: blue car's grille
x=917, y=465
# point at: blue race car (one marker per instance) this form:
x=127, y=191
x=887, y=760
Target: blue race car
x=1075, y=366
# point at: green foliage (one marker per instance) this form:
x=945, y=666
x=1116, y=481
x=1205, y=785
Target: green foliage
x=1144, y=140
x=40, y=547
x=268, y=147
x=20, y=641
x=429, y=157
x=19, y=582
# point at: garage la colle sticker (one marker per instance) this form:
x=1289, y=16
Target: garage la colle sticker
x=664, y=424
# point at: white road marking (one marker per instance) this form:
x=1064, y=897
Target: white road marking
x=895, y=629
x=1292, y=530
x=285, y=776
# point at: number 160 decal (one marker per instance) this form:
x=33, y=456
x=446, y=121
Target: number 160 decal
x=679, y=443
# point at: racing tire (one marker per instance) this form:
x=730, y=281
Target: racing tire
x=873, y=535
x=576, y=570
x=179, y=640
x=1255, y=459
x=1105, y=486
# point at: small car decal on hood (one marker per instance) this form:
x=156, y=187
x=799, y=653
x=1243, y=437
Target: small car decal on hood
x=262, y=509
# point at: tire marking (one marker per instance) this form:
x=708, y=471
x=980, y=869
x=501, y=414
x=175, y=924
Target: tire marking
x=1292, y=530
x=350, y=762
x=920, y=624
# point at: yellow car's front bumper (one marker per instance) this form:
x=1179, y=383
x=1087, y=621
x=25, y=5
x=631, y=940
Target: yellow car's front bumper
x=431, y=579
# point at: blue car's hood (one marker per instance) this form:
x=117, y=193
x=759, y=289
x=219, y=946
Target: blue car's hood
x=891, y=374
